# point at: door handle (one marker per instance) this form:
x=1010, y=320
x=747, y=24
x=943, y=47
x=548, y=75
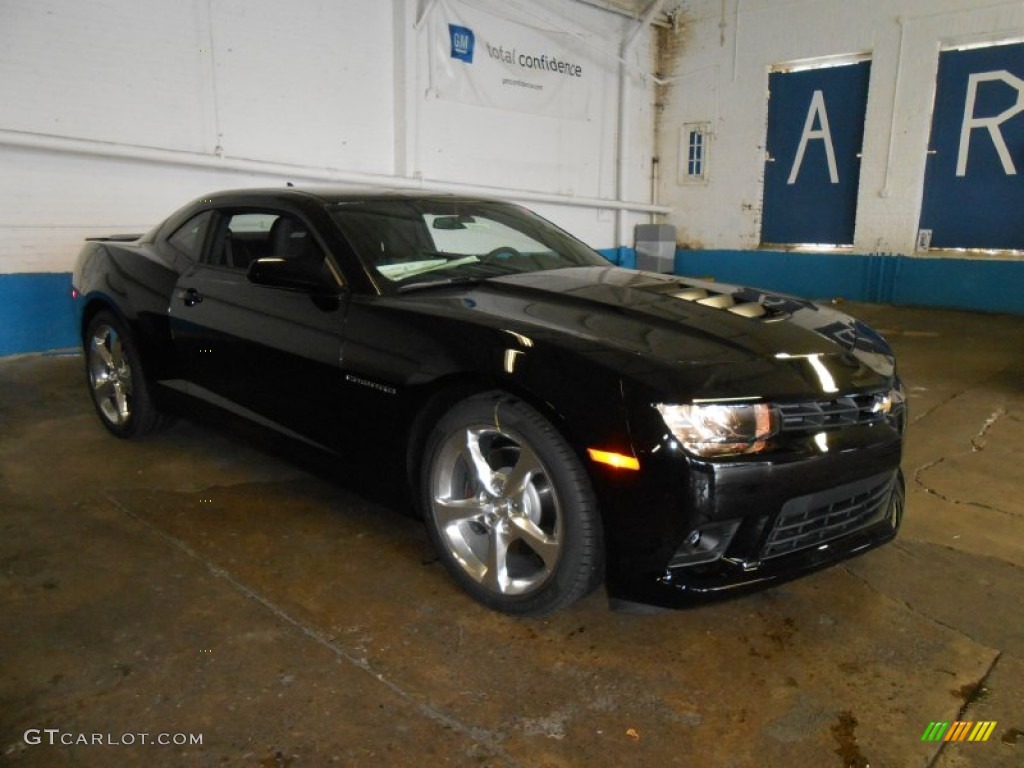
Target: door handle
x=191, y=297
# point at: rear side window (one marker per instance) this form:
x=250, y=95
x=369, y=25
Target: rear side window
x=188, y=238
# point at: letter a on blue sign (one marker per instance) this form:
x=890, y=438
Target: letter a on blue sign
x=462, y=43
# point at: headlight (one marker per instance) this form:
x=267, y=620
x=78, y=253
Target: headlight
x=893, y=406
x=887, y=402
x=720, y=429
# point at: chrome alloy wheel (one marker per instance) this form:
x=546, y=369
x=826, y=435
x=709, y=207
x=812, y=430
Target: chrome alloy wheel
x=110, y=375
x=496, y=509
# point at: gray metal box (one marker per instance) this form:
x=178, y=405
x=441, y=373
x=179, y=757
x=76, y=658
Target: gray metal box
x=656, y=247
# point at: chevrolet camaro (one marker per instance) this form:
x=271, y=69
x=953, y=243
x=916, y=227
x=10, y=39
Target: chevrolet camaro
x=559, y=421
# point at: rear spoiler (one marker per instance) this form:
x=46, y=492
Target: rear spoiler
x=116, y=238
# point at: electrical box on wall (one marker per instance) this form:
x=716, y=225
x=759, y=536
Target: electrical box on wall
x=656, y=247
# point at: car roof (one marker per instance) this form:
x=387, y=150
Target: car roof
x=329, y=194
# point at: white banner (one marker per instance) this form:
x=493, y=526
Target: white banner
x=482, y=59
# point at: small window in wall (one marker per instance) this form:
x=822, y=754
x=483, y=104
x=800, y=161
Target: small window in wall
x=693, y=153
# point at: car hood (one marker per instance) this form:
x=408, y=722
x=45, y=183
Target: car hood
x=721, y=339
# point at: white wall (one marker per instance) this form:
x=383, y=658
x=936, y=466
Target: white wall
x=719, y=63
x=115, y=112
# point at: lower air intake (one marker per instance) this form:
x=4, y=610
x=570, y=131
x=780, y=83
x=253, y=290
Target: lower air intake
x=809, y=521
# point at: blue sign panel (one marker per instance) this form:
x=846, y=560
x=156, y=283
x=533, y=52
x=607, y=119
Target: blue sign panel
x=974, y=190
x=815, y=131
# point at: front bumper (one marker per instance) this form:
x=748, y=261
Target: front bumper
x=729, y=576
x=691, y=531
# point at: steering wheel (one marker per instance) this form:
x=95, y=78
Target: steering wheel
x=502, y=252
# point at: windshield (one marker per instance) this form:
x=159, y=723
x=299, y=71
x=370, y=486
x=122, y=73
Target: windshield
x=407, y=242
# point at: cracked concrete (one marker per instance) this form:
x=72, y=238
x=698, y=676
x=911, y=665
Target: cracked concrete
x=203, y=582
x=960, y=557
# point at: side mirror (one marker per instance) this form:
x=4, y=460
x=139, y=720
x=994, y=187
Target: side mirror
x=293, y=274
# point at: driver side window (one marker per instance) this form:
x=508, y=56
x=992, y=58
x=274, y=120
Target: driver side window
x=244, y=236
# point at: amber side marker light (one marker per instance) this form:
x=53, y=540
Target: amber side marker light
x=617, y=460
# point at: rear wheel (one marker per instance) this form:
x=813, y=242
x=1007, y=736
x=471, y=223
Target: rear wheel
x=117, y=382
x=509, y=507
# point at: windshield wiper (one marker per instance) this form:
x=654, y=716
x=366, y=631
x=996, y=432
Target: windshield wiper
x=443, y=283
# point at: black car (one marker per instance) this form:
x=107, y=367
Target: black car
x=558, y=420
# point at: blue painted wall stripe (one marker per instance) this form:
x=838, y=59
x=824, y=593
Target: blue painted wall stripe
x=624, y=257
x=36, y=313
x=983, y=285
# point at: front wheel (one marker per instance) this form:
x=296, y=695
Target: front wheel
x=117, y=383
x=510, y=508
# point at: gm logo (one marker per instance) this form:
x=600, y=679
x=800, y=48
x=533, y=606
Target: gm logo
x=462, y=43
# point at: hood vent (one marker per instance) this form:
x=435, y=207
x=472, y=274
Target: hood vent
x=743, y=303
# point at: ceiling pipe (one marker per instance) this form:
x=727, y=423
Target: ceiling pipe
x=425, y=9
x=606, y=5
x=622, y=138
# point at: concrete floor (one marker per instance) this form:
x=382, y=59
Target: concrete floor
x=200, y=583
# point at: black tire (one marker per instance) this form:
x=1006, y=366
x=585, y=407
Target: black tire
x=509, y=507
x=116, y=379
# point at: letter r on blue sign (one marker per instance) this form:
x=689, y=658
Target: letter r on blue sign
x=462, y=43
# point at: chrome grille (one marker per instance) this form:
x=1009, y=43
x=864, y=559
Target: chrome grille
x=809, y=521
x=830, y=414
